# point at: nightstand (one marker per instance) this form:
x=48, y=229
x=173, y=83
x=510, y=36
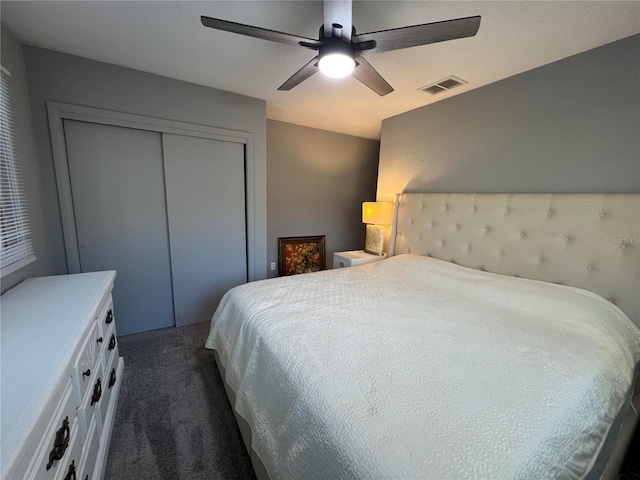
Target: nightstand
x=353, y=258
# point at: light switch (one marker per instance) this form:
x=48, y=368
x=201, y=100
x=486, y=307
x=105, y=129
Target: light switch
x=273, y=266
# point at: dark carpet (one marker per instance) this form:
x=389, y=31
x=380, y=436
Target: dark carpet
x=173, y=419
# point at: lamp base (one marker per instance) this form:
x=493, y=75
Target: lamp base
x=374, y=241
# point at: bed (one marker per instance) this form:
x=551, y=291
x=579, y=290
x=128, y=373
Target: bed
x=497, y=341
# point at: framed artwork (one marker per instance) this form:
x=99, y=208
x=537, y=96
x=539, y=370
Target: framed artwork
x=300, y=255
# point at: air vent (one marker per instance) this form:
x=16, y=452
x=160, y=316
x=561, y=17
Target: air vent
x=443, y=85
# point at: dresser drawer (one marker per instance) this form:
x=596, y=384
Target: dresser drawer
x=107, y=318
x=70, y=464
x=111, y=380
x=110, y=347
x=354, y=258
x=102, y=311
x=60, y=436
x=91, y=400
x=85, y=370
x=90, y=452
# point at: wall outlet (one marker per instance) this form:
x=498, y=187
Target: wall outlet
x=273, y=266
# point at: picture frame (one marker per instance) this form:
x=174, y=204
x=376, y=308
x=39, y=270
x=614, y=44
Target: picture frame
x=301, y=255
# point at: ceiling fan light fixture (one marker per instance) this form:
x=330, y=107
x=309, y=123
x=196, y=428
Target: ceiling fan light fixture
x=339, y=46
x=336, y=65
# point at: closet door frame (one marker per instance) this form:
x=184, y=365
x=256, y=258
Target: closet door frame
x=57, y=112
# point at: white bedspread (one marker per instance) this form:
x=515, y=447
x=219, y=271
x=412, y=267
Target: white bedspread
x=417, y=368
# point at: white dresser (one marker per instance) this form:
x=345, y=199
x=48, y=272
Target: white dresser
x=61, y=376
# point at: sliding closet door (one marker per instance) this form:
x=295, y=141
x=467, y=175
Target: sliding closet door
x=205, y=183
x=118, y=190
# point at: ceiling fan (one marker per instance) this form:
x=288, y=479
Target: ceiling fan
x=340, y=48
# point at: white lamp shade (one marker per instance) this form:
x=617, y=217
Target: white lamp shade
x=336, y=65
x=378, y=213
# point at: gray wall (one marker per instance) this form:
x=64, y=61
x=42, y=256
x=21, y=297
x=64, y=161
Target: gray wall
x=316, y=183
x=70, y=79
x=13, y=61
x=570, y=126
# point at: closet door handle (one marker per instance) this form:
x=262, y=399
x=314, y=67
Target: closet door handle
x=60, y=443
x=97, y=393
x=99, y=340
x=86, y=373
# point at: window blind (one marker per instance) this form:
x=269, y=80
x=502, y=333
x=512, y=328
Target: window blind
x=16, y=248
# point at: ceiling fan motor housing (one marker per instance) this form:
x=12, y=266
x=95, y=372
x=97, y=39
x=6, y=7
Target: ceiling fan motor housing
x=333, y=45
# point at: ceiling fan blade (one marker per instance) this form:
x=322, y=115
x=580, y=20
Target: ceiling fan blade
x=301, y=75
x=338, y=12
x=258, y=32
x=368, y=75
x=405, y=37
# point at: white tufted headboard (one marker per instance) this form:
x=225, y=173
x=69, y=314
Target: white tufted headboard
x=591, y=241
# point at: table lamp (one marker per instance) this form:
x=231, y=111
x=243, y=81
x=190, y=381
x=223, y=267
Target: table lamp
x=376, y=215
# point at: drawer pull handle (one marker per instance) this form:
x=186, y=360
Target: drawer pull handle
x=60, y=443
x=112, y=341
x=71, y=474
x=109, y=317
x=99, y=340
x=112, y=378
x=97, y=393
x=86, y=373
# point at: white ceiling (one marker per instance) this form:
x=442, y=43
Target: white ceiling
x=166, y=38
